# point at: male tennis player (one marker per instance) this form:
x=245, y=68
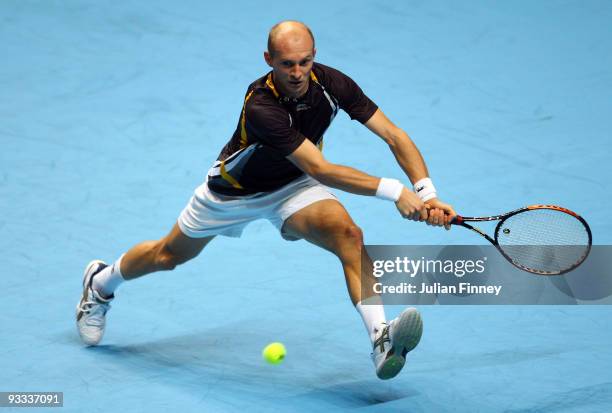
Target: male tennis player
x=273, y=168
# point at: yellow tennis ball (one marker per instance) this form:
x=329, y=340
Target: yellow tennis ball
x=274, y=353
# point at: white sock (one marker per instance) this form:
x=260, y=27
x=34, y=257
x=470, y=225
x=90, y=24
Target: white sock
x=106, y=281
x=372, y=312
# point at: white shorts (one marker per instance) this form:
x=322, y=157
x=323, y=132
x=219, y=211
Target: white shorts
x=209, y=213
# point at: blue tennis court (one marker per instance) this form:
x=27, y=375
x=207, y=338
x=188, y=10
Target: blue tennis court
x=111, y=114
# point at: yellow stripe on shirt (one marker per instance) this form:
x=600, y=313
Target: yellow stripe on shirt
x=244, y=141
x=313, y=77
x=270, y=84
x=228, y=177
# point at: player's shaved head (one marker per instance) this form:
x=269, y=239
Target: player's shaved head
x=288, y=32
x=291, y=54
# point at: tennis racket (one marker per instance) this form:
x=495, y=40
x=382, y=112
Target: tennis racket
x=541, y=239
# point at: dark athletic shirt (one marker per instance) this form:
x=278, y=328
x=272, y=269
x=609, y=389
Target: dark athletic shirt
x=271, y=127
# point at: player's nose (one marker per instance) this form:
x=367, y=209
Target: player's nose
x=295, y=72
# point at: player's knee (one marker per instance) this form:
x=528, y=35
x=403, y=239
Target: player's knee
x=350, y=239
x=353, y=234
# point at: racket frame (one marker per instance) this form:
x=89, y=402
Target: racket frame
x=461, y=221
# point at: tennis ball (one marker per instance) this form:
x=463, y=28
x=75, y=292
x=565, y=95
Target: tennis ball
x=274, y=353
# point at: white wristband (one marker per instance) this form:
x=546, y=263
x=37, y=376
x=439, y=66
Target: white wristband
x=389, y=189
x=425, y=189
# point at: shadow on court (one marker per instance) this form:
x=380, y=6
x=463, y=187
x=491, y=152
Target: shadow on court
x=505, y=357
x=222, y=361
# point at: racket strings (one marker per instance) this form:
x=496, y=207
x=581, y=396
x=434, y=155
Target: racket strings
x=544, y=240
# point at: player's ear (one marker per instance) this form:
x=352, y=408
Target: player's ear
x=268, y=58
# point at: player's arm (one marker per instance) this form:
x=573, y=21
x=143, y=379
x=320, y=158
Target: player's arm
x=410, y=160
x=309, y=159
x=404, y=150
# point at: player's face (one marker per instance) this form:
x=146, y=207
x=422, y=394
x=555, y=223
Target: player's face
x=291, y=64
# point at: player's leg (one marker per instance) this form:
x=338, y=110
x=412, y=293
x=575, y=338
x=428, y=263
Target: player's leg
x=205, y=216
x=101, y=280
x=327, y=224
x=161, y=255
x=149, y=256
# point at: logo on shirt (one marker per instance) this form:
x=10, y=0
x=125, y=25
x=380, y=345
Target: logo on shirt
x=302, y=106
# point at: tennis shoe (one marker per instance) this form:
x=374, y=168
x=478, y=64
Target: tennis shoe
x=394, y=340
x=91, y=310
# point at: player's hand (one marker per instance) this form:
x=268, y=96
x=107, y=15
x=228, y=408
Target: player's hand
x=440, y=213
x=411, y=207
